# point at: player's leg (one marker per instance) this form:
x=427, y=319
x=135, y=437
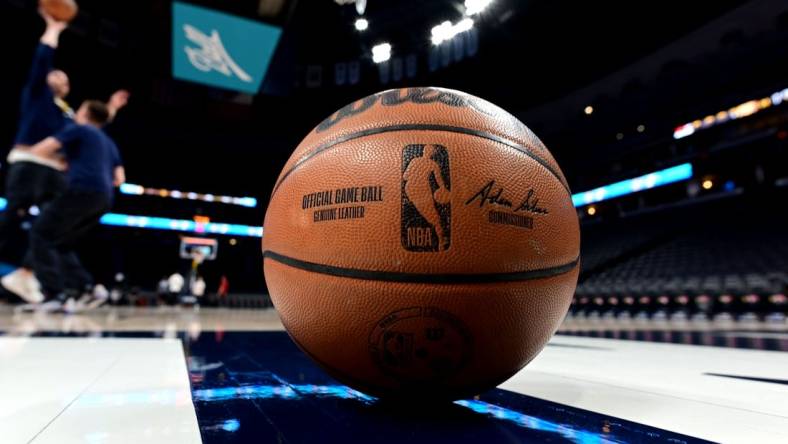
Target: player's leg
x=20, y=195
x=22, y=181
x=87, y=211
x=51, y=230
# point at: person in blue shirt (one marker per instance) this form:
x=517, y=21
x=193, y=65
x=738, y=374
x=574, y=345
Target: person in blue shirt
x=94, y=170
x=33, y=180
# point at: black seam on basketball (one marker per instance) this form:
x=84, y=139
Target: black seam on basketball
x=423, y=127
x=421, y=278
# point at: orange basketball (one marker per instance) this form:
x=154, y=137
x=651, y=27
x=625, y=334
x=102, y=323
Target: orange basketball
x=421, y=242
x=61, y=10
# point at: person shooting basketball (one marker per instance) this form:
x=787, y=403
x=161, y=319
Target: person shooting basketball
x=31, y=179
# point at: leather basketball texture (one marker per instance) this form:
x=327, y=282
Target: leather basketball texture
x=421, y=242
x=61, y=10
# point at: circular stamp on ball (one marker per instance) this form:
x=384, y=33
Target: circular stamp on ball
x=420, y=344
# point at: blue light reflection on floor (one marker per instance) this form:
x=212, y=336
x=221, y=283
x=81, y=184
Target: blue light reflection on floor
x=303, y=391
x=293, y=391
x=275, y=393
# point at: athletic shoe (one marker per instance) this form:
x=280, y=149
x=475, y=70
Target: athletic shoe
x=26, y=287
x=49, y=306
x=85, y=299
x=100, y=292
x=34, y=284
x=71, y=306
x=95, y=303
x=37, y=295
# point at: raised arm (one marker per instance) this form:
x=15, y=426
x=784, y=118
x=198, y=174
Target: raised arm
x=118, y=100
x=46, y=148
x=44, y=56
x=51, y=35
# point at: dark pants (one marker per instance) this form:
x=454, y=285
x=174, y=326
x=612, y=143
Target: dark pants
x=56, y=232
x=27, y=184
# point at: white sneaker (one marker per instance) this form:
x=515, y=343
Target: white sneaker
x=100, y=292
x=49, y=306
x=34, y=284
x=71, y=306
x=23, y=285
x=37, y=296
x=95, y=303
x=85, y=298
x=45, y=307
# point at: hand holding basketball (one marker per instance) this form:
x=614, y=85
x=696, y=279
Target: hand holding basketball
x=59, y=10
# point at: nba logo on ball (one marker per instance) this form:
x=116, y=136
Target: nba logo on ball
x=219, y=49
x=426, y=203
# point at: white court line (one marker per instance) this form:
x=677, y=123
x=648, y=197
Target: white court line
x=108, y=390
x=92, y=383
x=664, y=386
x=756, y=335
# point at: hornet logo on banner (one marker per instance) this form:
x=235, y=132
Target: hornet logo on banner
x=219, y=49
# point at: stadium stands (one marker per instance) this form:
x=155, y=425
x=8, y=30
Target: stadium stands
x=728, y=257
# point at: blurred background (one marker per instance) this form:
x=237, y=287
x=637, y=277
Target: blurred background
x=668, y=119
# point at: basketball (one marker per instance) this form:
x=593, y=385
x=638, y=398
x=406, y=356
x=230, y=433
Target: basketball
x=61, y=10
x=421, y=242
x=220, y=231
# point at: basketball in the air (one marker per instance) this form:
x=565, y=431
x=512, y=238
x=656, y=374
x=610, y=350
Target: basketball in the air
x=421, y=242
x=61, y=10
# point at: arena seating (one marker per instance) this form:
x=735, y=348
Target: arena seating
x=725, y=257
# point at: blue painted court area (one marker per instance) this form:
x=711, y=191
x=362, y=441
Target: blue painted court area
x=258, y=387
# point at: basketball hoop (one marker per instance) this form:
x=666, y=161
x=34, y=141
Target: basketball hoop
x=199, y=248
x=198, y=257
